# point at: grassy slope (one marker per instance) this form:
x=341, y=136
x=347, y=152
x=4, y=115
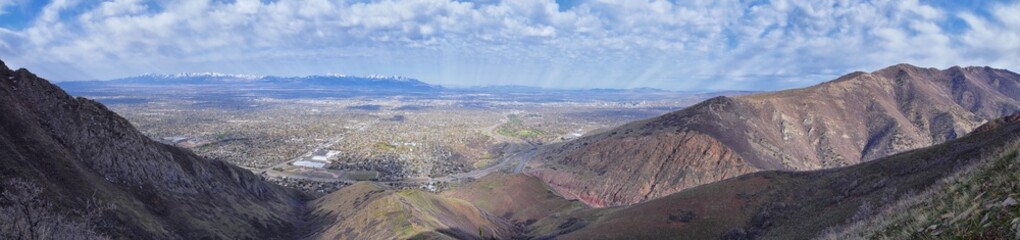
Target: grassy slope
x=788, y=205
x=972, y=205
x=519, y=198
x=370, y=211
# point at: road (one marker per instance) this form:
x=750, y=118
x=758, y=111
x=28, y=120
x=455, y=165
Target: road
x=523, y=158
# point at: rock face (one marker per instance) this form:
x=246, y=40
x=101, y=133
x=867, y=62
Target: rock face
x=77, y=151
x=855, y=118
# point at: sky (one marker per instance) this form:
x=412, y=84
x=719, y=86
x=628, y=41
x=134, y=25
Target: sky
x=678, y=45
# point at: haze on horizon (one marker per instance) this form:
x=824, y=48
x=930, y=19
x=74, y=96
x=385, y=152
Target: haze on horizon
x=677, y=45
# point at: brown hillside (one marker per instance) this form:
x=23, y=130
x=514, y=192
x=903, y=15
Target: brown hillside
x=521, y=199
x=855, y=118
x=369, y=211
x=804, y=205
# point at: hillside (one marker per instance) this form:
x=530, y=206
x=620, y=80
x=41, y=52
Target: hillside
x=960, y=188
x=369, y=211
x=977, y=203
x=521, y=199
x=853, y=119
x=78, y=170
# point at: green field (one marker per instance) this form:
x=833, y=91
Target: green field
x=485, y=162
x=516, y=127
x=363, y=175
x=386, y=147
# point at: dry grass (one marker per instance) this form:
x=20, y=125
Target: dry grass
x=967, y=205
x=370, y=211
x=521, y=199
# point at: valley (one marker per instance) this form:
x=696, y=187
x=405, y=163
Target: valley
x=419, y=139
x=509, y=119
x=178, y=167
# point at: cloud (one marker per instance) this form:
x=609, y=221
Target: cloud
x=5, y=5
x=995, y=40
x=724, y=44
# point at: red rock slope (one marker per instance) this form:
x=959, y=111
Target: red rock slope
x=855, y=118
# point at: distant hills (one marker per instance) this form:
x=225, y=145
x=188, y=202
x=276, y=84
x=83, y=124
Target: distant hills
x=220, y=86
x=336, y=82
x=332, y=82
x=855, y=118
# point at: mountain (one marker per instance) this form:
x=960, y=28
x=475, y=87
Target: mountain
x=370, y=211
x=72, y=169
x=315, y=82
x=855, y=118
x=962, y=189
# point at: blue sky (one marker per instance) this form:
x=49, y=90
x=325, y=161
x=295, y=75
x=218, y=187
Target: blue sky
x=679, y=45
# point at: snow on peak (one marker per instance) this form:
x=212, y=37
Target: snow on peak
x=373, y=77
x=204, y=74
x=248, y=77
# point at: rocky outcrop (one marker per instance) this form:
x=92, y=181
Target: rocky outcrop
x=79, y=152
x=855, y=118
x=997, y=123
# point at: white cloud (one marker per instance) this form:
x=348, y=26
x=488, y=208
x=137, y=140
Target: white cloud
x=994, y=41
x=6, y=6
x=599, y=43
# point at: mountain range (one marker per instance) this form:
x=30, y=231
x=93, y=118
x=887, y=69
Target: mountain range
x=222, y=86
x=331, y=82
x=927, y=153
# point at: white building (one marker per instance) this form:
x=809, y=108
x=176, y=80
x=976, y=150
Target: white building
x=311, y=164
